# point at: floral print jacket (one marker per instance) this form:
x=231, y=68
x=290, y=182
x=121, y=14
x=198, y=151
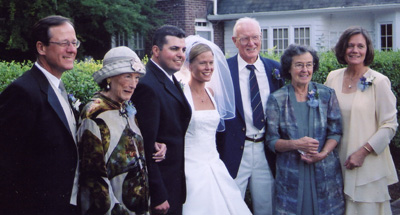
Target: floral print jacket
x=113, y=175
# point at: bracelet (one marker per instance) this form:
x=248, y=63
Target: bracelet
x=327, y=152
x=366, y=148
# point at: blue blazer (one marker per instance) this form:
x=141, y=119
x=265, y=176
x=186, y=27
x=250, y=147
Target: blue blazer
x=38, y=155
x=230, y=143
x=163, y=115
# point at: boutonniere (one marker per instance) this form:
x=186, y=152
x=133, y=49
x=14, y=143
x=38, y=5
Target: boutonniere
x=130, y=110
x=276, y=74
x=312, y=98
x=181, y=84
x=364, y=82
x=75, y=103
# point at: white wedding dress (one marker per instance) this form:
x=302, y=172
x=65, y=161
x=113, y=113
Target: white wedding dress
x=210, y=188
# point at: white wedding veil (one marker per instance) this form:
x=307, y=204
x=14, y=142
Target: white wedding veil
x=221, y=81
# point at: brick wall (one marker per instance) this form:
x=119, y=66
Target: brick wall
x=182, y=13
x=219, y=34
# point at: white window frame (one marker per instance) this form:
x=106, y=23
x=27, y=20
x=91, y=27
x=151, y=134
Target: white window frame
x=203, y=25
x=385, y=37
x=302, y=39
x=280, y=42
x=264, y=40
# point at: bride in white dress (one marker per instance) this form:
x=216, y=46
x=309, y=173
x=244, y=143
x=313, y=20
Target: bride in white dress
x=210, y=188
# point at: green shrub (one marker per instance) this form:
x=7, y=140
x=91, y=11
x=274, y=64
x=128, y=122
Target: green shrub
x=9, y=71
x=79, y=81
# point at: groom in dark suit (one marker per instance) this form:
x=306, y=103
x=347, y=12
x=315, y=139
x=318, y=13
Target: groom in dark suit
x=38, y=154
x=241, y=146
x=163, y=114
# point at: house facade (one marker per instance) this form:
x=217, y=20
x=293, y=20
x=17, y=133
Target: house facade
x=283, y=22
x=315, y=23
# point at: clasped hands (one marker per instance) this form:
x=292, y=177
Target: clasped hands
x=308, y=148
x=161, y=151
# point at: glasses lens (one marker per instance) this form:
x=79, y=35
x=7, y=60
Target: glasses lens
x=244, y=40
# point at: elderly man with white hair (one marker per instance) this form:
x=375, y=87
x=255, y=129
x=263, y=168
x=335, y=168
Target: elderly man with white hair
x=241, y=145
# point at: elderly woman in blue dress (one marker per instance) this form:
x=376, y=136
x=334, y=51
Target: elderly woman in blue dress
x=304, y=128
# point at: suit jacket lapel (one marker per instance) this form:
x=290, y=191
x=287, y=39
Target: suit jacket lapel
x=51, y=96
x=273, y=83
x=233, y=66
x=172, y=88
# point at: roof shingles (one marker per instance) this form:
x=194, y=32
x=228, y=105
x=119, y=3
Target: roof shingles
x=251, y=6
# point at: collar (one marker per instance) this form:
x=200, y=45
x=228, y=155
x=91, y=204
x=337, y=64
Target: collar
x=168, y=75
x=51, y=78
x=242, y=64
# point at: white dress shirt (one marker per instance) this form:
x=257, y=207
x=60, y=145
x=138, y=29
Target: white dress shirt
x=244, y=83
x=168, y=75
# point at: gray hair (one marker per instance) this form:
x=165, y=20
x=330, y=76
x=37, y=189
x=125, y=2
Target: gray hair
x=242, y=21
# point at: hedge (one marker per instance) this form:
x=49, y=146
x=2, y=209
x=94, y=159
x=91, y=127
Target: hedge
x=79, y=81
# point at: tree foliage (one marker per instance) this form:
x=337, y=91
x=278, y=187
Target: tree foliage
x=95, y=22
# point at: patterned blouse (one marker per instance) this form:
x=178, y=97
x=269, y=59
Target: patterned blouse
x=324, y=123
x=113, y=175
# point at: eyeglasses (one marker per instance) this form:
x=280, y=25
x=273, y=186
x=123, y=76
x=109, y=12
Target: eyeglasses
x=246, y=40
x=300, y=66
x=64, y=44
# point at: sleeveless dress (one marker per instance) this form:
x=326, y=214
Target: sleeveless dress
x=210, y=188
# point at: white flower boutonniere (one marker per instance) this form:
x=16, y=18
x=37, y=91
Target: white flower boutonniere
x=181, y=84
x=75, y=103
x=364, y=82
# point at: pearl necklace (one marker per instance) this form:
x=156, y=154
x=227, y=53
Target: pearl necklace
x=351, y=81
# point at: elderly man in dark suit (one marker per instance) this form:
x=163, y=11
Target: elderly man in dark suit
x=163, y=114
x=241, y=146
x=38, y=153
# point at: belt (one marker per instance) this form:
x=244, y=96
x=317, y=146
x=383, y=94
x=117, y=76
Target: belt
x=261, y=139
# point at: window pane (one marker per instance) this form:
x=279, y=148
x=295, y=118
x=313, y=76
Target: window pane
x=386, y=37
x=303, y=37
x=280, y=39
x=383, y=42
x=204, y=34
x=264, y=43
x=383, y=29
x=389, y=30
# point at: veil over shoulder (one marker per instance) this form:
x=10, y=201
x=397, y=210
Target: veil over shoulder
x=221, y=81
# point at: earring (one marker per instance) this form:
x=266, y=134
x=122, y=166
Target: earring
x=108, y=84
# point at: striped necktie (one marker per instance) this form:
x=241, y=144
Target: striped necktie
x=256, y=106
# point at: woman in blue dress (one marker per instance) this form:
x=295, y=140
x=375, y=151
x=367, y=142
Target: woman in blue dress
x=304, y=128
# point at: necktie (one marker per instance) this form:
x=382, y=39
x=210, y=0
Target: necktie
x=256, y=106
x=63, y=91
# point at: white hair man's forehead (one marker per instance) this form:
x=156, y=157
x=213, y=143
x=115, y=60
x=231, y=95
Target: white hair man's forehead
x=245, y=20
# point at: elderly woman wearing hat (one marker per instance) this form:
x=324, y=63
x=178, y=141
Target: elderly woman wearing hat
x=113, y=175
